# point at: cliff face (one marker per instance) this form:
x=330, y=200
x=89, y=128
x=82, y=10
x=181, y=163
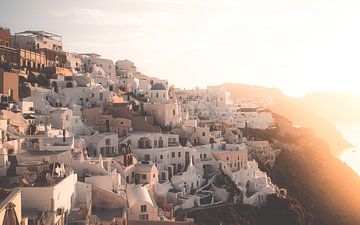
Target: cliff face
x=295, y=111
x=328, y=188
x=322, y=190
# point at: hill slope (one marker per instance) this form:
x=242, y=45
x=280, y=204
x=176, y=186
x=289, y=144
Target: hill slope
x=334, y=107
x=293, y=109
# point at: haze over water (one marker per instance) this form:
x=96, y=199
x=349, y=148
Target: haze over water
x=351, y=132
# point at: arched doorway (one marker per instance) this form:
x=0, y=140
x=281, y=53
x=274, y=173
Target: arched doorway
x=54, y=86
x=161, y=142
x=69, y=85
x=144, y=143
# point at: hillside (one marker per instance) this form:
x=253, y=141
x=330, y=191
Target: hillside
x=293, y=109
x=328, y=188
x=277, y=211
x=334, y=107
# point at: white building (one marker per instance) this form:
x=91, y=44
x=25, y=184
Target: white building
x=74, y=62
x=165, y=110
x=141, y=204
x=12, y=202
x=65, y=119
x=37, y=40
x=146, y=140
x=56, y=200
x=170, y=160
x=189, y=180
x=94, y=95
x=125, y=68
x=106, y=144
x=106, y=64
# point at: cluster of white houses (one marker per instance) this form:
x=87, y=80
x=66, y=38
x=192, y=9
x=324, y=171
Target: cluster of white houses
x=102, y=143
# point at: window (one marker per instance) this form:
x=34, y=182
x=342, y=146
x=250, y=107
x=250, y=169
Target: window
x=157, y=95
x=179, y=166
x=147, y=157
x=203, y=134
x=101, y=96
x=227, y=158
x=132, y=174
x=67, y=117
x=163, y=95
x=155, y=143
x=143, y=208
x=161, y=156
x=143, y=176
x=154, y=175
x=143, y=217
x=173, y=155
x=174, y=112
x=179, y=154
x=108, y=141
x=204, y=155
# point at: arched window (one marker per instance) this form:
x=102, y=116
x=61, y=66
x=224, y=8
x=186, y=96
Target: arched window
x=69, y=85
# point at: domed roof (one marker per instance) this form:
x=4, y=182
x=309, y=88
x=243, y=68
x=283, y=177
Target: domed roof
x=158, y=87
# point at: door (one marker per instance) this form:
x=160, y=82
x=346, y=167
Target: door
x=187, y=159
x=137, y=178
x=161, y=143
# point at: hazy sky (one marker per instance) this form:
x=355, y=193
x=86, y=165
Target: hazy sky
x=295, y=45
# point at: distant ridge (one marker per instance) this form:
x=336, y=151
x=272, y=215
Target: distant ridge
x=336, y=107
x=295, y=111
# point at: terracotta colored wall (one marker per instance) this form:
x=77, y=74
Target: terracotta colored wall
x=5, y=37
x=9, y=81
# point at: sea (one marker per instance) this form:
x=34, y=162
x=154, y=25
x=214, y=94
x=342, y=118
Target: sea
x=351, y=156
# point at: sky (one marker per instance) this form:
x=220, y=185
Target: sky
x=298, y=46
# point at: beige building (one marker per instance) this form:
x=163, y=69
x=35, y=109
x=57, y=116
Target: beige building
x=32, y=61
